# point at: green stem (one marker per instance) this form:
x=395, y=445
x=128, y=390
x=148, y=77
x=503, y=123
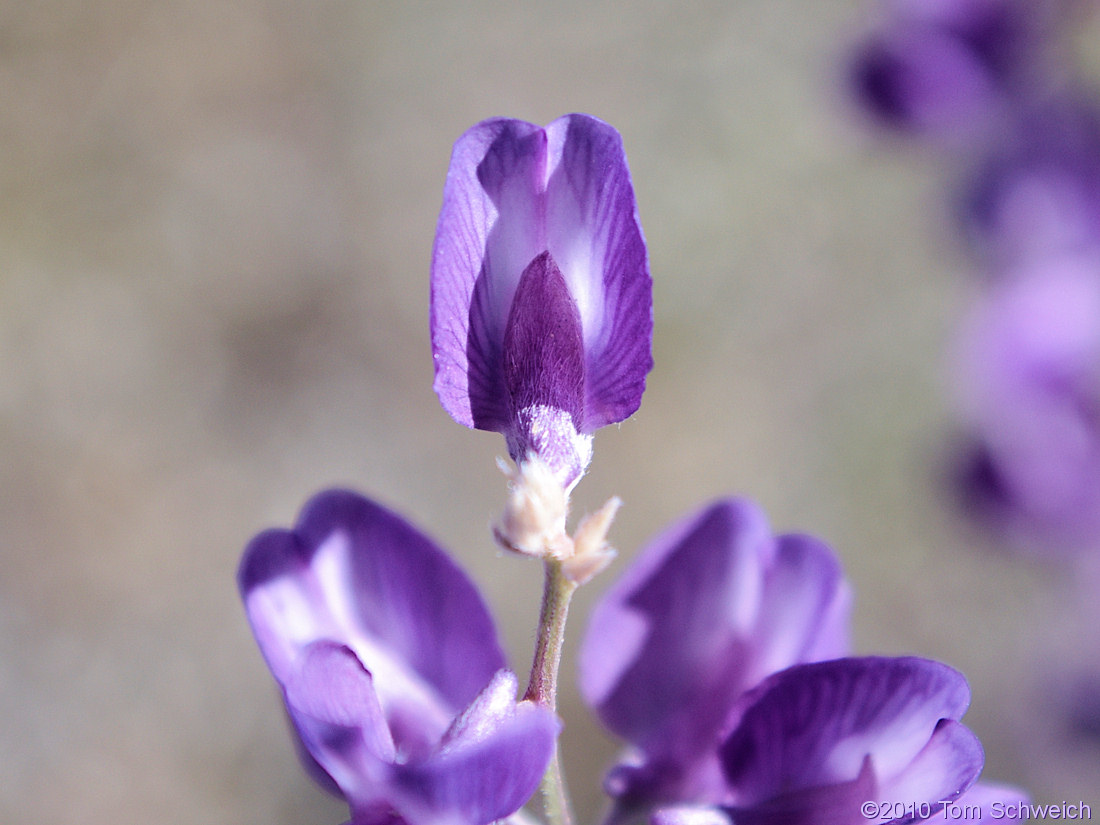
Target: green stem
x=543, y=685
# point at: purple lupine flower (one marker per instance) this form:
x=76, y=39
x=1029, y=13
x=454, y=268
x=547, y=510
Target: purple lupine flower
x=1030, y=384
x=844, y=742
x=541, y=300
x=390, y=669
x=710, y=607
x=949, y=67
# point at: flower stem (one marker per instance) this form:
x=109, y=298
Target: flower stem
x=543, y=685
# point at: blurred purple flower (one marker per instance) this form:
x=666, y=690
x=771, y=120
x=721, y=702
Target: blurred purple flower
x=947, y=67
x=1038, y=192
x=390, y=669
x=713, y=605
x=995, y=71
x=541, y=300
x=1029, y=361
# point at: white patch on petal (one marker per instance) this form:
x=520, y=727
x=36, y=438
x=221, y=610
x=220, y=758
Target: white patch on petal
x=401, y=691
x=289, y=622
x=585, y=282
x=690, y=815
x=892, y=744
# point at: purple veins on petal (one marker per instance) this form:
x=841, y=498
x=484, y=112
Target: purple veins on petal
x=539, y=236
x=594, y=234
x=390, y=668
x=888, y=725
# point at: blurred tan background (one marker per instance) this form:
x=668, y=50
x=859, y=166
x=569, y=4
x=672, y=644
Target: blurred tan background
x=215, y=228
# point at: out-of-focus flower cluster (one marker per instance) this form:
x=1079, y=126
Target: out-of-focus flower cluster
x=992, y=85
